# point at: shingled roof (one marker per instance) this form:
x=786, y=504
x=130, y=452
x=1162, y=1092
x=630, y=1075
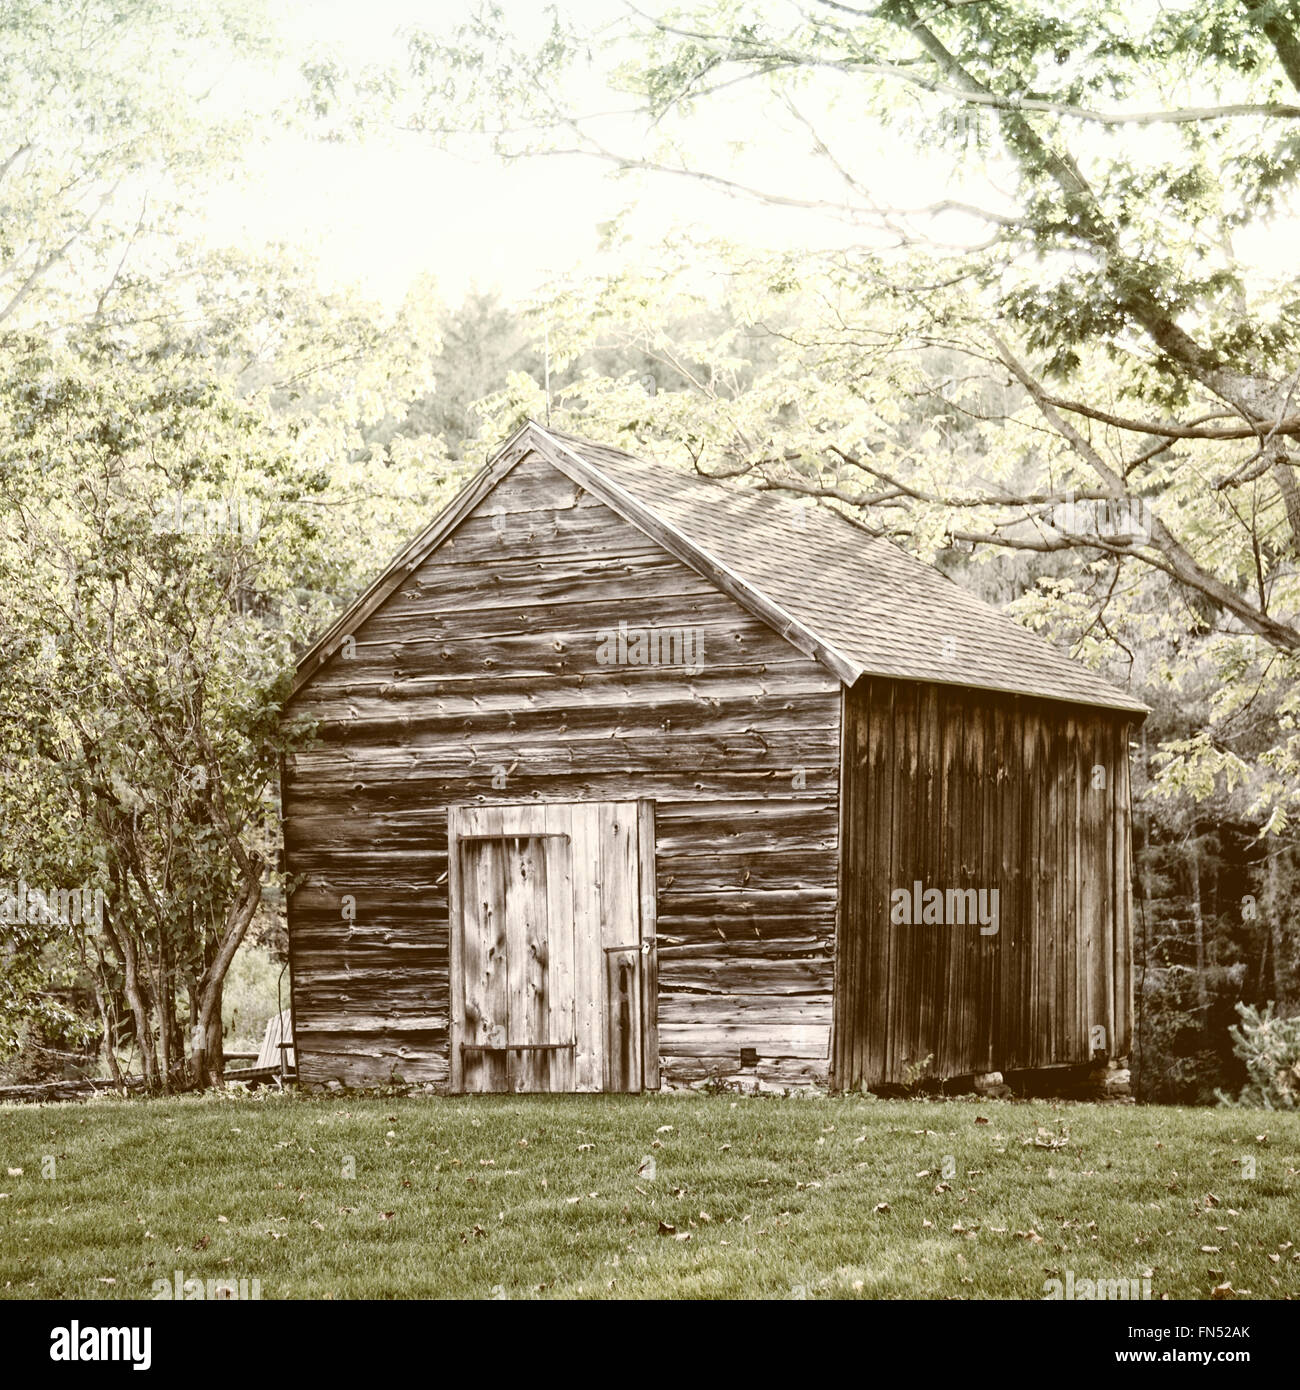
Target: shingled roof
x=859, y=604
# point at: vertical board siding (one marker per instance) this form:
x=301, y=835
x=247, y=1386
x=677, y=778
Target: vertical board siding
x=959, y=789
x=479, y=681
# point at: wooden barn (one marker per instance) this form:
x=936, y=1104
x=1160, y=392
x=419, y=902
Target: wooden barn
x=623, y=777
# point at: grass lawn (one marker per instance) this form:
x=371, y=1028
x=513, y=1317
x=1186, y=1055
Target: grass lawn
x=522, y=1197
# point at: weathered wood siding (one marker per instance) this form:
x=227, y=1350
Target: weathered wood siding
x=480, y=681
x=964, y=789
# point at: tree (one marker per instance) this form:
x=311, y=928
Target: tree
x=109, y=121
x=189, y=481
x=148, y=531
x=1103, y=376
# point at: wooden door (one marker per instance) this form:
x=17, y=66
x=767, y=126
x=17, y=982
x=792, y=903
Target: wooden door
x=553, y=968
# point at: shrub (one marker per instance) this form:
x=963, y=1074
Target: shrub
x=1270, y=1048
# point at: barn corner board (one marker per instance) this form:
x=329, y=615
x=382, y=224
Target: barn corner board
x=623, y=777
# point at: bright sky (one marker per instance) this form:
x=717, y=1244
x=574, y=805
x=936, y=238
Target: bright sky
x=381, y=213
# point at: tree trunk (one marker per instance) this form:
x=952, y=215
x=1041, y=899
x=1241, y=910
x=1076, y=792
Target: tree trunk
x=101, y=1000
x=237, y=921
x=165, y=1014
x=214, y=1046
x=137, y=999
x=1198, y=928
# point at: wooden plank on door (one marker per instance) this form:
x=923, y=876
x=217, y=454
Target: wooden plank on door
x=536, y=1019
x=589, y=966
x=472, y=952
x=623, y=1019
x=649, y=902
x=490, y=988
x=517, y=853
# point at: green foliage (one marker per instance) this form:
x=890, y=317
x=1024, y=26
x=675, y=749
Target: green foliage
x=952, y=375
x=105, y=129
x=1270, y=1047
x=256, y=989
x=199, y=453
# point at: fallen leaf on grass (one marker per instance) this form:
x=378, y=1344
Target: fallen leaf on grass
x=666, y=1228
x=202, y=1243
x=881, y=1206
